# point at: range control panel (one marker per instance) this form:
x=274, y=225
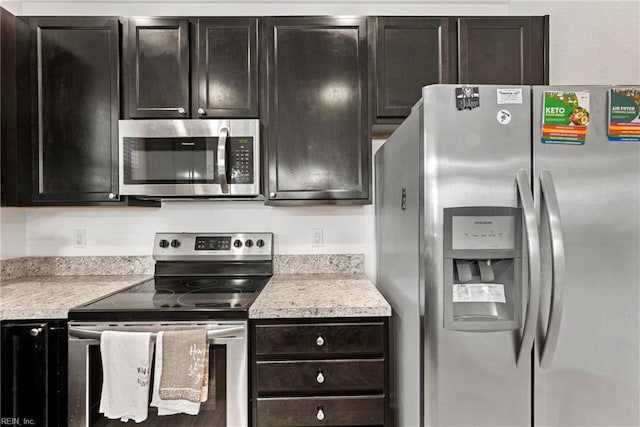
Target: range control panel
x=213, y=246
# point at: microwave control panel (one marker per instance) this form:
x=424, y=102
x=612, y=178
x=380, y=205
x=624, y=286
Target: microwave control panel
x=241, y=160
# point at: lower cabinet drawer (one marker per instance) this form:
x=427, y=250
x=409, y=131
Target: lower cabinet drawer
x=320, y=376
x=320, y=411
x=321, y=339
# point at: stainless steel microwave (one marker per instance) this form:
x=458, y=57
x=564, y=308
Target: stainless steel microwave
x=189, y=158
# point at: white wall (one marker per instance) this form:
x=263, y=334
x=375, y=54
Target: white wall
x=13, y=233
x=130, y=231
x=591, y=43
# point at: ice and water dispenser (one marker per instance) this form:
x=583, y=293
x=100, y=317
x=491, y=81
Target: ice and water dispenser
x=483, y=278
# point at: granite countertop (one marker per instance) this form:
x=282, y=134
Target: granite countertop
x=51, y=297
x=319, y=295
x=285, y=296
x=47, y=287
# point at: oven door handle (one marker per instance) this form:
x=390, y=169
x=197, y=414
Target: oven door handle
x=235, y=332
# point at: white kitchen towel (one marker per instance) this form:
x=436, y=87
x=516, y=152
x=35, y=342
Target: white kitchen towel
x=168, y=407
x=126, y=370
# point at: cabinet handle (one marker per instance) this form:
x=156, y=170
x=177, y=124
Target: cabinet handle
x=320, y=414
x=272, y=194
x=320, y=341
x=201, y=112
x=113, y=196
x=320, y=378
x=34, y=332
x=182, y=111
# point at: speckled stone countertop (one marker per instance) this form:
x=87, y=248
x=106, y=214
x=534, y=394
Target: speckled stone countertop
x=319, y=295
x=331, y=286
x=51, y=297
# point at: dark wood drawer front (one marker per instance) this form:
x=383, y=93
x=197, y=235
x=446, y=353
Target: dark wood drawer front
x=321, y=411
x=320, y=339
x=314, y=376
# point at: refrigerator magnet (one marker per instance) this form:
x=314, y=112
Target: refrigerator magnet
x=509, y=96
x=504, y=117
x=624, y=114
x=565, y=117
x=467, y=97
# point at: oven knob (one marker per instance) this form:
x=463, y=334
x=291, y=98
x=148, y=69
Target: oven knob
x=175, y=243
x=248, y=243
x=237, y=243
x=164, y=243
x=260, y=243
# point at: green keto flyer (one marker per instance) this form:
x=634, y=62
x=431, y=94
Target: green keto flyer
x=565, y=117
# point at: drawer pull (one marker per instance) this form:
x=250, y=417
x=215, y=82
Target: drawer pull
x=320, y=414
x=320, y=378
x=320, y=341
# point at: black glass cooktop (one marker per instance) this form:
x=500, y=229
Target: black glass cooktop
x=166, y=298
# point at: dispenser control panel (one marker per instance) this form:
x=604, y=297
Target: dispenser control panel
x=483, y=232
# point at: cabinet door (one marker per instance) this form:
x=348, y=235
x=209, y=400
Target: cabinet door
x=226, y=76
x=503, y=50
x=157, y=68
x=25, y=388
x=409, y=53
x=318, y=126
x=75, y=107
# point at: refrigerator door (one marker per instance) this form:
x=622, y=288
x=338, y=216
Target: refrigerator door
x=590, y=370
x=397, y=239
x=470, y=159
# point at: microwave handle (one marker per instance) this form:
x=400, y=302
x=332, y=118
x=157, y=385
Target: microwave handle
x=222, y=160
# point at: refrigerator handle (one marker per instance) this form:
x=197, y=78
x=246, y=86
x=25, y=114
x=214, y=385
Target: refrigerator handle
x=548, y=191
x=533, y=248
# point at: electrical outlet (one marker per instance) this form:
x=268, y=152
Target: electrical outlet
x=316, y=237
x=79, y=238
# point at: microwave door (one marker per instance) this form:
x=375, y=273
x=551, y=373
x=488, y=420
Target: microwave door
x=159, y=160
x=189, y=158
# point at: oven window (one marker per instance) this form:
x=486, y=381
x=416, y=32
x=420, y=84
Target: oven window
x=212, y=412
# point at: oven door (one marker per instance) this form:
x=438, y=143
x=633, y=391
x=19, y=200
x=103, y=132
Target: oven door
x=189, y=158
x=228, y=384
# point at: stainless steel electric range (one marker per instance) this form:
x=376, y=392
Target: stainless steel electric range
x=201, y=280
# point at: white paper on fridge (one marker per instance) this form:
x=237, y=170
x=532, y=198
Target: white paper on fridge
x=479, y=292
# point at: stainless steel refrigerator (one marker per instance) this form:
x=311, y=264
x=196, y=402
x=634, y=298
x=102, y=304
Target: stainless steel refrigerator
x=511, y=258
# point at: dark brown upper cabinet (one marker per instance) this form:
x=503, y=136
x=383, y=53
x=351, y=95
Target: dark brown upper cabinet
x=198, y=68
x=156, y=61
x=225, y=80
x=10, y=178
x=74, y=110
x=503, y=50
x=317, y=124
x=409, y=53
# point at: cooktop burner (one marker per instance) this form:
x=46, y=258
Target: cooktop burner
x=181, y=295
x=196, y=277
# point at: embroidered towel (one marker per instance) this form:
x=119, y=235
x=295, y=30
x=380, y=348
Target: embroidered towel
x=174, y=406
x=126, y=368
x=184, y=358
